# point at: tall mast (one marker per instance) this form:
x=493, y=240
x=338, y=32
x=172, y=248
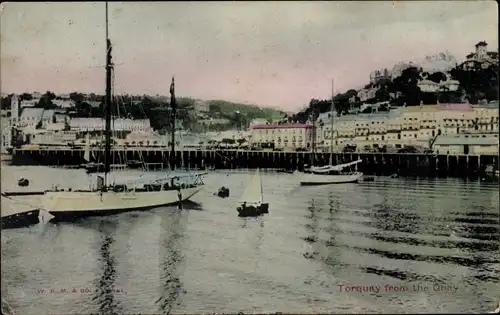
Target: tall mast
x=313, y=145
x=331, y=128
x=261, y=188
x=173, y=105
x=107, y=103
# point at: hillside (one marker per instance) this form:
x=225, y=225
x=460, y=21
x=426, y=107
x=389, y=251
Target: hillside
x=225, y=109
x=477, y=82
x=195, y=115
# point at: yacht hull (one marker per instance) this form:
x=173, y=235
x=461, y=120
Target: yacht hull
x=20, y=219
x=19, y=211
x=318, y=179
x=67, y=206
x=97, y=202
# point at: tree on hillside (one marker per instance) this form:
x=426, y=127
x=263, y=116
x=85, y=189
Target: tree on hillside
x=478, y=83
x=407, y=84
x=437, y=77
x=49, y=95
x=6, y=101
x=76, y=97
x=25, y=97
x=160, y=118
x=45, y=101
x=382, y=94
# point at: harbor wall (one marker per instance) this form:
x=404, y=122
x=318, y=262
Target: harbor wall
x=422, y=165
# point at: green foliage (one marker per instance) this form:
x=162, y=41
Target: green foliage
x=6, y=101
x=238, y=115
x=45, y=101
x=475, y=84
x=479, y=83
x=225, y=109
x=25, y=96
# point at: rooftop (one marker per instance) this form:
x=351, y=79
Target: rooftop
x=421, y=109
x=456, y=107
x=282, y=126
x=476, y=139
x=37, y=112
x=393, y=113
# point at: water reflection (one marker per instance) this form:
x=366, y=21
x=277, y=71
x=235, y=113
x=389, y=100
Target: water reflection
x=312, y=224
x=104, y=294
x=170, y=248
x=255, y=223
x=331, y=257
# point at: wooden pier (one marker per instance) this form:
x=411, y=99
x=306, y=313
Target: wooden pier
x=419, y=164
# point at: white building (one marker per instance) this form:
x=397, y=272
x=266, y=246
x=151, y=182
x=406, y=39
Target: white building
x=481, y=58
x=366, y=94
x=63, y=103
x=415, y=125
x=29, y=103
x=468, y=144
x=119, y=124
x=284, y=136
x=33, y=116
x=6, y=133
x=44, y=137
x=428, y=86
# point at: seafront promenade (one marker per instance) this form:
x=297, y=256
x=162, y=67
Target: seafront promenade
x=412, y=164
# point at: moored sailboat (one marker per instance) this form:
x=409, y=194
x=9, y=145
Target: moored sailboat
x=329, y=174
x=107, y=198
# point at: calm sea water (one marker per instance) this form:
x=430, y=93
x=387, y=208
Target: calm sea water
x=428, y=246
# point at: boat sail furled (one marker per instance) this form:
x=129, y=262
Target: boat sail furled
x=329, y=174
x=107, y=198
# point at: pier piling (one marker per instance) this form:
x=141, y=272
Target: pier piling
x=422, y=165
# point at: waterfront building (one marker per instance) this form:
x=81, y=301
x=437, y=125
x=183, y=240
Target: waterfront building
x=143, y=138
x=29, y=103
x=119, y=124
x=416, y=126
x=468, y=143
x=34, y=116
x=56, y=137
x=282, y=136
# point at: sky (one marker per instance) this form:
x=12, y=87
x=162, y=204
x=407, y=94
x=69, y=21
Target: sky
x=275, y=54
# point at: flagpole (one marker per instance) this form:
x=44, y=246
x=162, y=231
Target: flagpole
x=331, y=127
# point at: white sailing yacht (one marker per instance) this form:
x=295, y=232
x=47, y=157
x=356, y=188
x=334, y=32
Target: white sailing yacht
x=252, y=199
x=329, y=174
x=113, y=198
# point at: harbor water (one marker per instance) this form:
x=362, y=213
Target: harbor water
x=387, y=246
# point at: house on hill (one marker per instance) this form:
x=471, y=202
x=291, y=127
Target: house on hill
x=482, y=58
